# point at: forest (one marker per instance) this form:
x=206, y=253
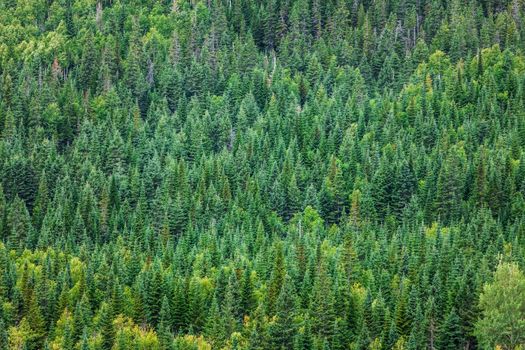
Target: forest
x=262, y=174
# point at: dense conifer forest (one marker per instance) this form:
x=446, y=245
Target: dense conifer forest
x=249, y=174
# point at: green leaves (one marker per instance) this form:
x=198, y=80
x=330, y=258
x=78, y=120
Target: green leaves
x=502, y=304
x=250, y=174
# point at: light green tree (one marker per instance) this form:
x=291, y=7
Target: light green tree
x=502, y=303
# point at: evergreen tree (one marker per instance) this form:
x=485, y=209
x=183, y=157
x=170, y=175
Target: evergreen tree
x=88, y=63
x=298, y=174
x=282, y=332
x=450, y=333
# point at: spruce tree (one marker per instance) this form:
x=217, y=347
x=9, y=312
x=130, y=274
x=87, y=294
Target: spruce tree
x=282, y=331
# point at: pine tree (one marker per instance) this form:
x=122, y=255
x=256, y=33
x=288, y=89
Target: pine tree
x=450, y=185
x=322, y=304
x=164, y=326
x=197, y=308
x=154, y=296
x=450, y=333
x=84, y=343
x=37, y=324
x=276, y=279
x=19, y=225
x=248, y=301
x=4, y=340
x=282, y=331
x=41, y=202
x=133, y=74
x=231, y=308
x=106, y=326
x=215, y=326
x=180, y=308
x=88, y=63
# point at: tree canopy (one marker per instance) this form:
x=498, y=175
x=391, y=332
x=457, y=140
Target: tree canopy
x=245, y=174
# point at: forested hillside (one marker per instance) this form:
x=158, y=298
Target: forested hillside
x=249, y=174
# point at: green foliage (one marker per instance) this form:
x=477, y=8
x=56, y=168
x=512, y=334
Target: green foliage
x=502, y=307
x=284, y=174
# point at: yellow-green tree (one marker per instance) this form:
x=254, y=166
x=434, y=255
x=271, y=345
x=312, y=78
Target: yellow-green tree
x=502, y=303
